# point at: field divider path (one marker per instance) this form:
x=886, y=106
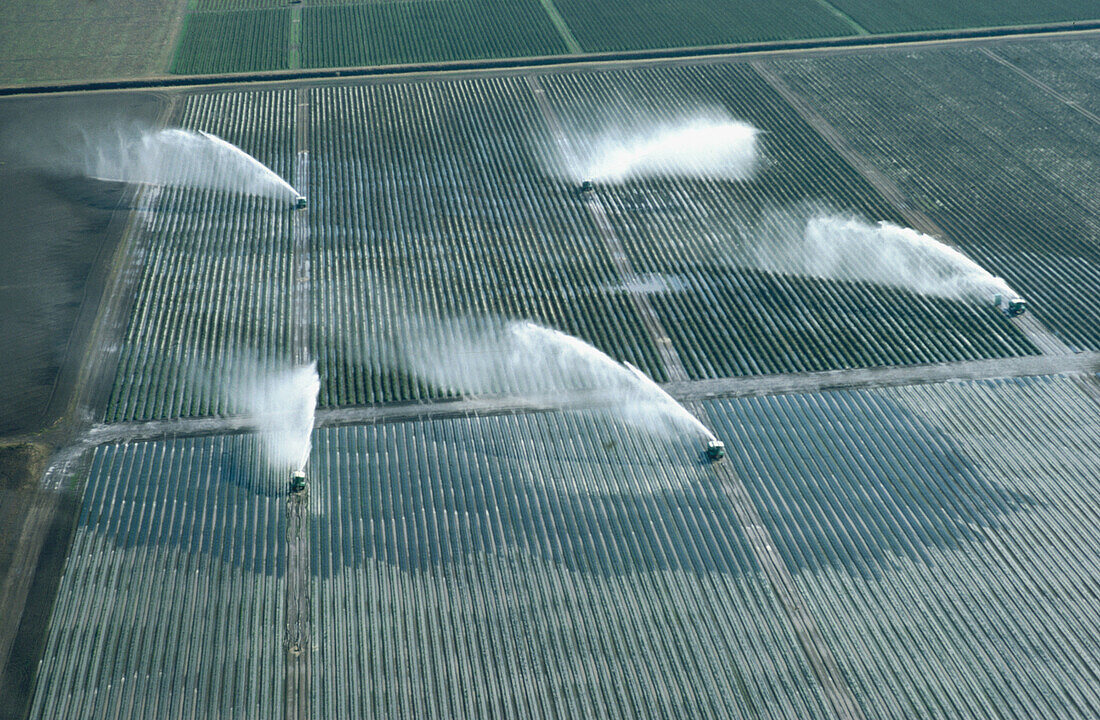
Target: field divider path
x=818, y=654
x=298, y=641
x=562, y=27
x=1082, y=364
x=1069, y=102
x=1028, y=324
x=674, y=366
x=843, y=17
x=294, y=38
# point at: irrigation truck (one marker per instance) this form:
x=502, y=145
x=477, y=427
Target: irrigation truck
x=297, y=482
x=1010, y=306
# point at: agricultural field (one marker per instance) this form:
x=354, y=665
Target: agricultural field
x=943, y=536
x=727, y=317
x=1066, y=67
x=723, y=318
x=565, y=562
x=893, y=16
x=411, y=31
x=243, y=35
x=904, y=523
x=418, y=219
x=210, y=275
x=237, y=41
x=616, y=25
x=422, y=216
x=45, y=41
x=517, y=565
x=1007, y=169
x=171, y=601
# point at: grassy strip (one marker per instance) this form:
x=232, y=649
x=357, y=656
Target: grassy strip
x=563, y=29
x=294, y=57
x=843, y=17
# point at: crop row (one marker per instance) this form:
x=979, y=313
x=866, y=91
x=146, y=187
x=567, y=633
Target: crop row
x=213, y=268
x=171, y=600
x=569, y=564
x=1008, y=170
x=701, y=235
x=248, y=35
x=426, y=31
x=232, y=5
x=432, y=203
x=546, y=565
x=948, y=557
x=893, y=16
x=1068, y=67
x=239, y=41
x=613, y=25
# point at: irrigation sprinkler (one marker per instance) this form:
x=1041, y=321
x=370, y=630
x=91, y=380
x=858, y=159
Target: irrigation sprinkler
x=587, y=186
x=300, y=202
x=1011, y=307
x=297, y=482
x=716, y=449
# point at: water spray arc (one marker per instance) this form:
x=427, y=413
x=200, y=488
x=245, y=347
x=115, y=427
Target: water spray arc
x=523, y=358
x=833, y=246
x=282, y=407
x=183, y=158
x=705, y=147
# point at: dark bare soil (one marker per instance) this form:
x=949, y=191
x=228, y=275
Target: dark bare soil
x=58, y=232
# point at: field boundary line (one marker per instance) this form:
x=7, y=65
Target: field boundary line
x=1072, y=104
x=710, y=53
x=843, y=16
x=299, y=636
x=686, y=391
x=670, y=359
x=172, y=43
x=571, y=43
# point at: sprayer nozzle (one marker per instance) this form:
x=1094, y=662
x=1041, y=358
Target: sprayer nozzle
x=716, y=449
x=1010, y=306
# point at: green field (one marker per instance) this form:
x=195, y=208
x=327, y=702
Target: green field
x=238, y=41
x=614, y=25
x=426, y=31
x=242, y=35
